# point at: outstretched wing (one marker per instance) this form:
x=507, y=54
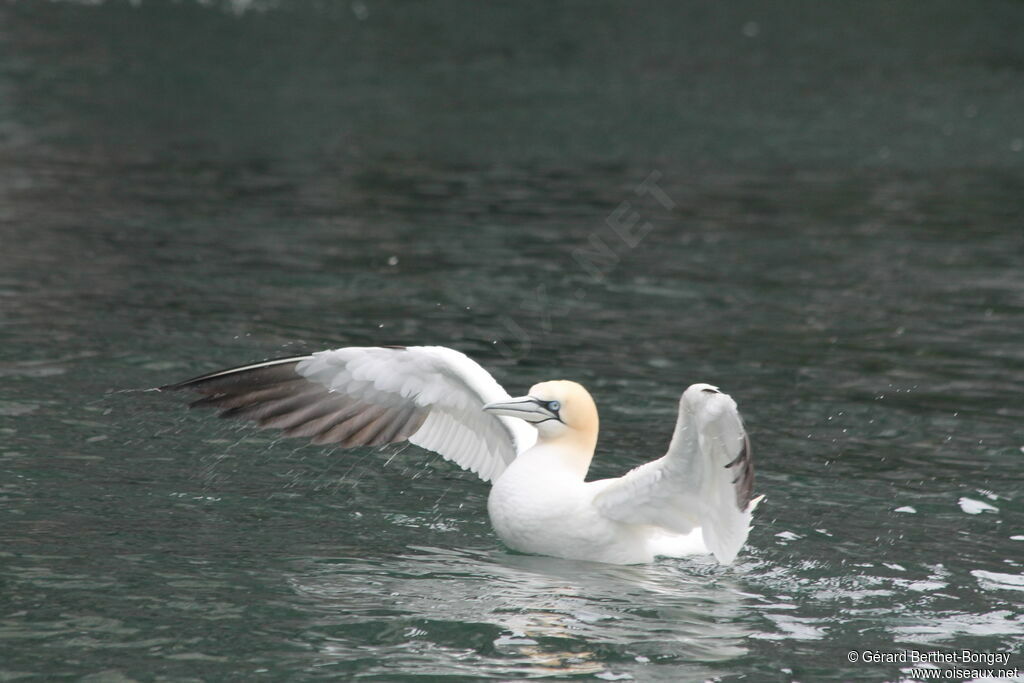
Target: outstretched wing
x=431, y=396
x=706, y=479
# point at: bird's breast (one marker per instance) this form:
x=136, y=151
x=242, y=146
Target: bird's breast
x=523, y=504
x=550, y=512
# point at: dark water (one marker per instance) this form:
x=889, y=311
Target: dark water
x=835, y=240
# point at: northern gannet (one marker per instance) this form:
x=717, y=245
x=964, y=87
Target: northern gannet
x=535, y=449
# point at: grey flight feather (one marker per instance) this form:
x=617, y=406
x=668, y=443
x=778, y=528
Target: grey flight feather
x=274, y=395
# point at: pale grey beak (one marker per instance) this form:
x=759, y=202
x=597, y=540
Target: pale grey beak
x=524, y=407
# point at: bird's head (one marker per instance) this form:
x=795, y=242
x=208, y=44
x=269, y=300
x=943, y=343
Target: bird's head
x=557, y=409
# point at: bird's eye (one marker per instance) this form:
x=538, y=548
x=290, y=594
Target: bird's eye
x=553, y=406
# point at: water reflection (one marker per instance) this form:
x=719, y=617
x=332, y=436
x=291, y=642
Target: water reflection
x=526, y=615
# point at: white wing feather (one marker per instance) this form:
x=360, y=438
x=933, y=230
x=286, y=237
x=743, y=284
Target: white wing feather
x=704, y=480
x=431, y=395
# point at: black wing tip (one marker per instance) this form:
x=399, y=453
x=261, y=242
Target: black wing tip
x=744, y=479
x=197, y=382
x=179, y=386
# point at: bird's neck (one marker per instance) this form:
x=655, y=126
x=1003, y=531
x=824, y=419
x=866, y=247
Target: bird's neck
x=570, y=452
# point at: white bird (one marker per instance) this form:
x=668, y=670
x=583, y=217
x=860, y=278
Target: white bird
x=535, y=449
